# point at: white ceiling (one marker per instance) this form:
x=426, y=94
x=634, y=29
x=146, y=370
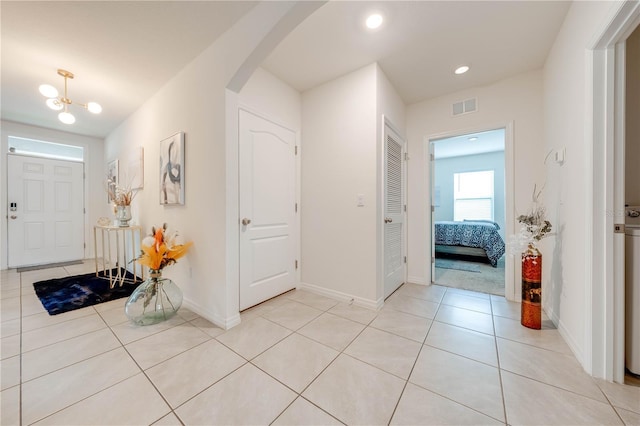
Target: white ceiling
x=122, y=52
x=420, y=43
x=457, y=146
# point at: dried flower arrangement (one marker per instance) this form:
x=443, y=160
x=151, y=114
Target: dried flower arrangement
x=536, y=226
x=118, y=194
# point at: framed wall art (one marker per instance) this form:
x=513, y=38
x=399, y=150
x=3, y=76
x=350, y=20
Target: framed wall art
x=112, y=180
x=136, y=169
x=172, y=170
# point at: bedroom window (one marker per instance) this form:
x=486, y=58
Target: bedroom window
x=473, y=196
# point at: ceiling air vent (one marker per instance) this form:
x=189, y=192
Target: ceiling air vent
x=465, y=107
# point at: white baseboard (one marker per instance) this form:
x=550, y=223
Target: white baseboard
x=417, y=280
x=224, y=323
x=568, y=338
x=343, y=297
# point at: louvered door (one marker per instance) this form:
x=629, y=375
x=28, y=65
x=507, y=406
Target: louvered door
x=394, y=214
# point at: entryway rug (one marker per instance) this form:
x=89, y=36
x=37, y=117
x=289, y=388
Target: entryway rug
x=66, y=294
x=454, y=264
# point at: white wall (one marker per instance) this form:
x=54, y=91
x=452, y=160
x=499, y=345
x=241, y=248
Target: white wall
x=517, y=100
x=194, y=102
x=389, y=102
x=567, y=124
x=95, y=169
x=339, y=162
x=341, y=158
x=269, y=95
x=632, y=131
x=445, y=169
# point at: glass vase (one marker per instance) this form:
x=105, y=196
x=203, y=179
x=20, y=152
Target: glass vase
x=123, y=216
x=531, y=307
x=155, y=300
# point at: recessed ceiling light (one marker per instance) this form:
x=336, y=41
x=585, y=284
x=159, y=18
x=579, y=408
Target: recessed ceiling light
x=374, y=21
x=462, y=69
x=473, y=139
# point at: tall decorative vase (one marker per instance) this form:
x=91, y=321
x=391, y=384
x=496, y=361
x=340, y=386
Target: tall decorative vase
x=123, y=215
x=531, y=309
x=155, y=300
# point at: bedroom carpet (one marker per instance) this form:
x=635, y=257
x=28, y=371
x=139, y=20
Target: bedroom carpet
x=487, y=280
x=460, y=266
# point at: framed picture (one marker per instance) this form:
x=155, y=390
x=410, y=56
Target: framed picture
x=172, y=169
x=112, y=180
x=136, y=169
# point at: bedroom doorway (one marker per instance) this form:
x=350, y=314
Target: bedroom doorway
x=468, y=214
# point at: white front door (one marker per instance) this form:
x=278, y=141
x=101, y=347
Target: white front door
x=46, y=210
x=394, y=214
x=267, y=209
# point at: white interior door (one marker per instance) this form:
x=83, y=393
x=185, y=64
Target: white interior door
x=46, y=210
x=267, y=209
x=394, y=212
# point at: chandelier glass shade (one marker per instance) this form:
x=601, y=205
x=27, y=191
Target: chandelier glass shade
x=61, y=103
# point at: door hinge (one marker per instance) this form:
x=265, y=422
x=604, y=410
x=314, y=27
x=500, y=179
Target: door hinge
x=431, y=157
x=296, y=150
x=433, y=209
x=296, y=208
x=405, y=259
x=84, y=210
x=406, y=156
x=433, y=259
x=296, y=264
x=405, y=208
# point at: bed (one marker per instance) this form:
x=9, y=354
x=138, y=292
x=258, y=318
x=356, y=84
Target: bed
x=473, y=238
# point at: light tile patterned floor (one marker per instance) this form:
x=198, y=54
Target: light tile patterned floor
x=432, y=355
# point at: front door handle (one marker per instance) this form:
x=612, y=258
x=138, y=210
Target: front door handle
x=13, y=216
x=388, y=220
x=246, y=221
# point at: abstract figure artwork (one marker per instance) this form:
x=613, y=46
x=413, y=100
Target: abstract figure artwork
x=172, y=169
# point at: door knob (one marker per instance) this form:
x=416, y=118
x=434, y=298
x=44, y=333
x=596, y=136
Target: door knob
x=246, y=221
x=13, y=216
x=388, y=220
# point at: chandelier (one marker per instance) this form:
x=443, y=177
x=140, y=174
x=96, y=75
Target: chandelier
x=59, y=103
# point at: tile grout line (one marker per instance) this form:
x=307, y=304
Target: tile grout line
x=406, y=382
x=495, y=342
x=20, y=346
x=249, y=361
x=431, y=391
x=324, y=369
x=122, y=345
x=299, y=395
x=144, y=372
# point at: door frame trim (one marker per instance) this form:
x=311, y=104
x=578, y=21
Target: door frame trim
x=509, y=191
x=604, y=304
x=233, y=105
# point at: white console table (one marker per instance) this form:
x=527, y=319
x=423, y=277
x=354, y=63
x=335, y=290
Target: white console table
x=121, y=236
